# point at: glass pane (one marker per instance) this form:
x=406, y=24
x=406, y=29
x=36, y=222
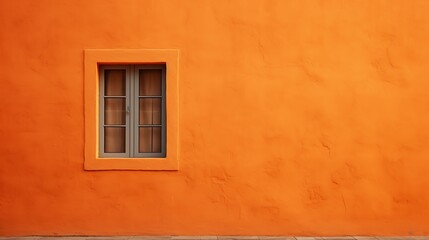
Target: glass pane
x=150, y=111
x=114, y=82
x=150, y=82
x=156, y=139
x=114, y=111
x=150, y=139
x=114, y=139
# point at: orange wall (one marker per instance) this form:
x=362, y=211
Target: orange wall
x=296, y=117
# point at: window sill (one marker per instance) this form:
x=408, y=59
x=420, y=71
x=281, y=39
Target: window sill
x=131, y=164
x=95, y=57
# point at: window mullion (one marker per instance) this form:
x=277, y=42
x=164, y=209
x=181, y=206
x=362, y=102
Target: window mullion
x=135, y=110
x=131, y=112
x=135, y=102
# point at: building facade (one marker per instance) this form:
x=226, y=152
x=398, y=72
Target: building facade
x=281, y=117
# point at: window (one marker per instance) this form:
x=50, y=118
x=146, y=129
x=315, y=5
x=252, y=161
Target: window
x=131, y=101
x=132, y=111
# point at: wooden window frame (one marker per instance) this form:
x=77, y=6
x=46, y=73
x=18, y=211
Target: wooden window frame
x=96, y=59
x=132, y=105
x=101, y=110
x=135, y=118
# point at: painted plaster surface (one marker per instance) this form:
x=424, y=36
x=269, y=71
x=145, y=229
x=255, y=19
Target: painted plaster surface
x=296, y=118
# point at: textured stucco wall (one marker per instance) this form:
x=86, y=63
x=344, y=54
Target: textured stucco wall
x=296, y=117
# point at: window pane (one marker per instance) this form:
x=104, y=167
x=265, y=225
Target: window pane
x=150, y=139
x=114, y=82
x=150, y=111
x=114, y=111
x=114, y=139
x=150, y=82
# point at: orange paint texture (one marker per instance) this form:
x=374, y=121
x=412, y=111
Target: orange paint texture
x=296, y=118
